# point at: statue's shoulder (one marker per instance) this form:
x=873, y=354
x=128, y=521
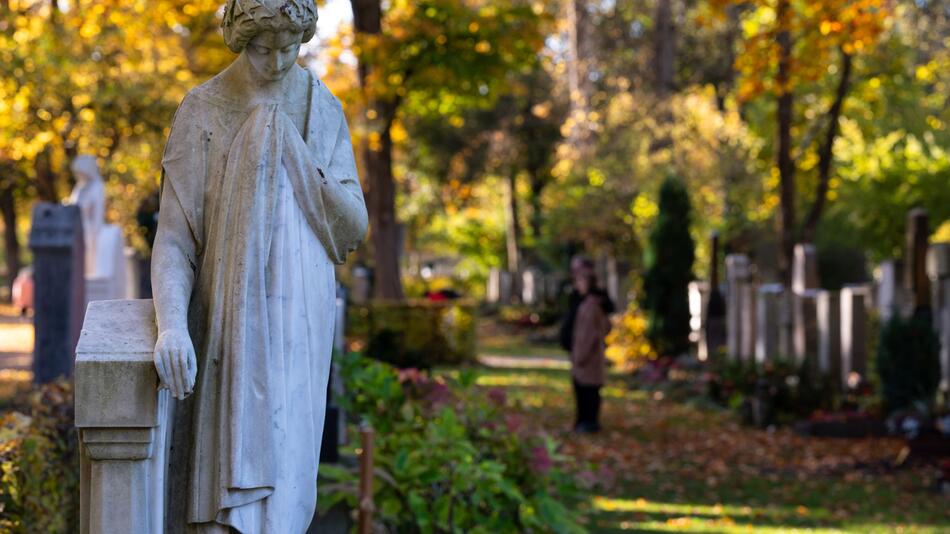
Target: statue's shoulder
x=209, y=97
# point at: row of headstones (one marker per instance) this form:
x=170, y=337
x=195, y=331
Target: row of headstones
x=531, y=286
x=828, y=329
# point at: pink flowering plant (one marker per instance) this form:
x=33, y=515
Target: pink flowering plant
x=450, y=458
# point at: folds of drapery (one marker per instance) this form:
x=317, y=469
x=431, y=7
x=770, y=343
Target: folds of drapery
x=229, y=434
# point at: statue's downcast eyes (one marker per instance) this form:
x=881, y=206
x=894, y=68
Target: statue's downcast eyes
x=244, y=19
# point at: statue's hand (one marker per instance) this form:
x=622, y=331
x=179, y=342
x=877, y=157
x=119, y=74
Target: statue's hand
x=175, y=362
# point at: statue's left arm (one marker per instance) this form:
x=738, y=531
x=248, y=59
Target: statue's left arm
x=329, y=193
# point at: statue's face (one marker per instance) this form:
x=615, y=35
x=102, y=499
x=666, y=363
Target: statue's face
x=272, y=54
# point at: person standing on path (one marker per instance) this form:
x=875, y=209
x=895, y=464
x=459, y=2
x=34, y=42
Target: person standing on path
x=588, y=362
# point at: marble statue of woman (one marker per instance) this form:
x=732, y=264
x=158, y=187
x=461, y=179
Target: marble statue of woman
x=90, y=195
x=260, y=199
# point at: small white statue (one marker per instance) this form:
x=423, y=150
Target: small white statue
x=90, y=195
x=260, y=199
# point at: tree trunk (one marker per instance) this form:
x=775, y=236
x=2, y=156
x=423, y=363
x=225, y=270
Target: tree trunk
x=10, y=242
x=378, y=165
x=513, y=234
x=578, y=58
x=826, y=154
x=45, y=177
x=664, y=41
x=537, y=213
x=786, y=166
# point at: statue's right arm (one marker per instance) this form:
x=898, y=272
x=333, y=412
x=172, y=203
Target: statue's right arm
x=173, y=277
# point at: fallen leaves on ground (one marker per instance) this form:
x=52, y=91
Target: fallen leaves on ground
x=661, y=465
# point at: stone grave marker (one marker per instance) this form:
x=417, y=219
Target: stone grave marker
x=805, y=334
x=828, y=316
x=916, y=282
x=805, y=268
x=854, y=334
x=771, y=299
x=56, y=239
x=737, y=272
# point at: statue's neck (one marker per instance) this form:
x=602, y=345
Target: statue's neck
x=251, y=89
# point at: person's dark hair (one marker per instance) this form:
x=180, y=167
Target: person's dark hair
x=244, y=19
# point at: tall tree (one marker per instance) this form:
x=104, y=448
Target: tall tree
x=669, y=269
x=437, y=58
x=102, y=77
x=788, y=47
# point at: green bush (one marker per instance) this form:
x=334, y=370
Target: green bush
x=669, y=269
x=39, y=463
x=784, y=391
x=419, y=334
x=448, y=460
x=908, y=363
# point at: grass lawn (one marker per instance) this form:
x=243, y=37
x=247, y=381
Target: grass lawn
x=665, y=466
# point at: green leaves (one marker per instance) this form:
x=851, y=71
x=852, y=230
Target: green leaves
x=446, y=465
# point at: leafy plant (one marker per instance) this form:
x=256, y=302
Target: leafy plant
x=448, y=460
x=416, y=333
x=908, y=362
x=39, y=465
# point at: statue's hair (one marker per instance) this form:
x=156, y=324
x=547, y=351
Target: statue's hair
x=244, y=19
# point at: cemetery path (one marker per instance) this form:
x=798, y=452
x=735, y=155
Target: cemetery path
x=16, y=340
x=662, y=465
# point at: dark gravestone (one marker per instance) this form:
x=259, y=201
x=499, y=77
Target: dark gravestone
x=59, y=295
x=715, y=323
x=916, y=283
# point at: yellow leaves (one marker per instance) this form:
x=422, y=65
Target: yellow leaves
x=596, y=177
x=87, y=115
x=483, y=47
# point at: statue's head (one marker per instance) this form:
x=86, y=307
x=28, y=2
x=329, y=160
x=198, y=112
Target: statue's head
x=269, y=32
x=85, y=168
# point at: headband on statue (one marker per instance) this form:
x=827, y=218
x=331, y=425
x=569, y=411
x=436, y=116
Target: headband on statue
x=244, y=19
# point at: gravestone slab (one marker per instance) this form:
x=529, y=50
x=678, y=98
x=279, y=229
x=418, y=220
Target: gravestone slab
x=916, y=283
x=854, y=334
x=748, y=318
x=805, y=268
x=56, y=239
x=805, y=328
x=828, y=314
x=737, y=272
x=771, y=298
x=888, y=291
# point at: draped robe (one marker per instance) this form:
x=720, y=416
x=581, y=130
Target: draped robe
x=260, y=214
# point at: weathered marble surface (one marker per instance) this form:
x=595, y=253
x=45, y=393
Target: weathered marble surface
x=123, y=420
x=260, y=199
x=106, y=268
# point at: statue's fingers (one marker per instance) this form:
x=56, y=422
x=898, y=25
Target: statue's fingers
x=178, y=389
x=192, y=370
x=161, y=366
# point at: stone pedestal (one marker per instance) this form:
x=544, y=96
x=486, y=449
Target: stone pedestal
x=828, y=314
x=56, y=240
x=737, y=272
x=109, y=278
x=122, y=419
